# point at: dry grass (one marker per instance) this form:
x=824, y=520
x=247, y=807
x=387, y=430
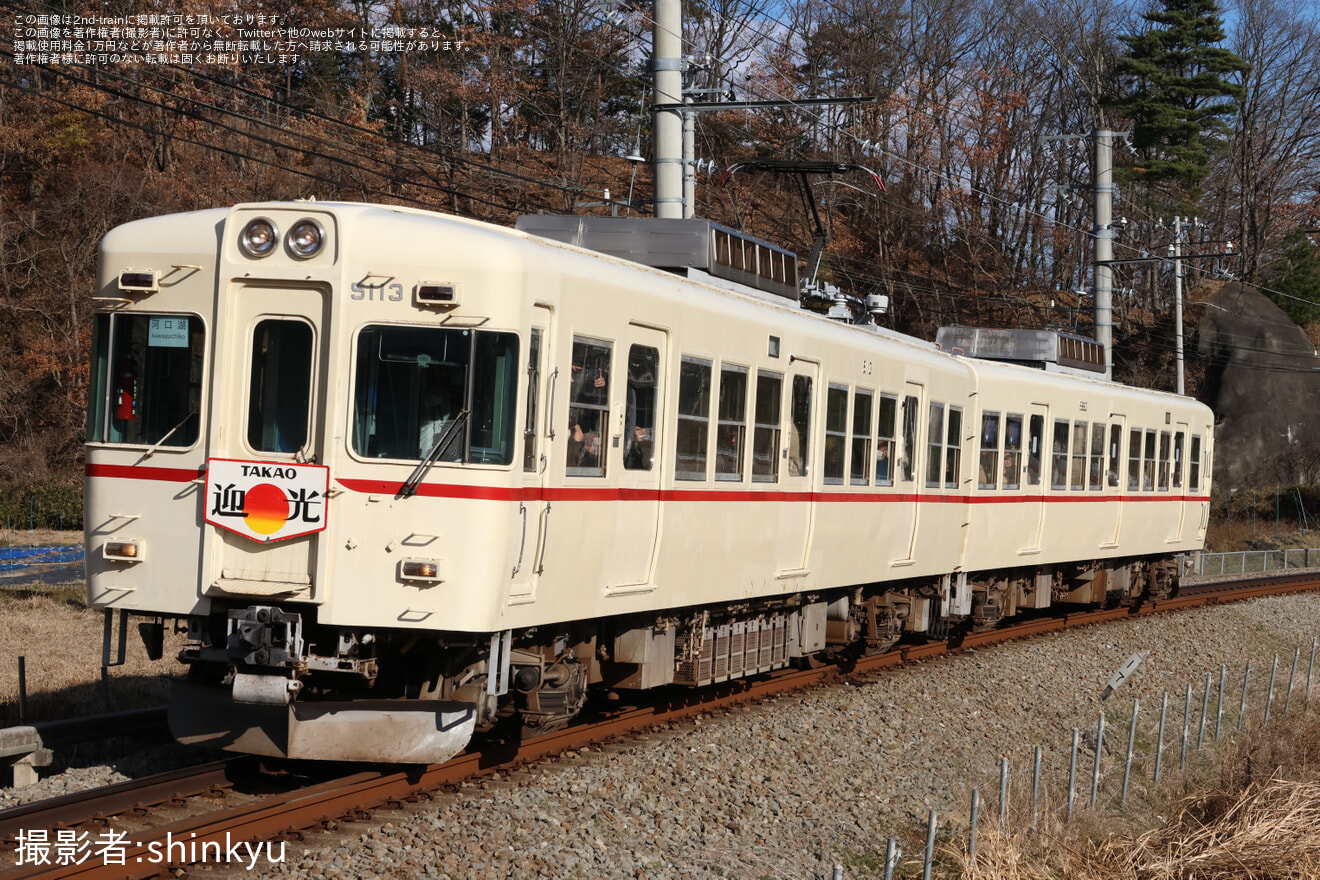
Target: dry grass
x=38, y=537
x=1255, y=813
x=59, y=638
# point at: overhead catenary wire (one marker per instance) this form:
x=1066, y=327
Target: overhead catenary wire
x=463, y=158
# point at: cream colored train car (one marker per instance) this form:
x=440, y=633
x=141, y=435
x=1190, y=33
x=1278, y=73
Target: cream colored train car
x=407, y=476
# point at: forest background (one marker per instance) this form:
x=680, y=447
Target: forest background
x=534, y=105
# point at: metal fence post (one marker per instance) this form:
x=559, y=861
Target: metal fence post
x=971, y=826
x=1003, y=794
x=930, y=846
x=1099, y=751
x=1035, y=787
x=1269, y=698
x=1309, y=671
x=1072, y=772
x=1159, y=743
x=1187, y=727
x=1205, y=708
x=1242, y=709
x=1287, y=701
x=1132, y=741
x=891, y=858
x=1219, y=704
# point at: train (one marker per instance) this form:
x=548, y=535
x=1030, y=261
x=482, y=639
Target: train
x=407, y=477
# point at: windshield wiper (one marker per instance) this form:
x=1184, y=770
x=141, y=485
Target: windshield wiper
x=409, y=487
x=161, y=442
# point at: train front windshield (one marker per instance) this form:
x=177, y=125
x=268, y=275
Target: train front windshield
x=414, y=382
x=146, y=381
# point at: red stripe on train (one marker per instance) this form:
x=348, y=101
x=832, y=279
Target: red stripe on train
x=138, y=472
x=502, y=493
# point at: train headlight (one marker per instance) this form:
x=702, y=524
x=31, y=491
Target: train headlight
x=305, y=239
x=122, y=551
x=258, y=238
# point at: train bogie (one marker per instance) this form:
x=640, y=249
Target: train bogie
x=406, y=473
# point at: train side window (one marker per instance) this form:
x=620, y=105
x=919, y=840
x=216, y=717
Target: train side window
x=588, y=407
x=886, y=420
x=533, y=390
x=836, y=432
x=1177, y=460
x=1163, y=482
x=1134, y=460
x=910, y=417
x=731, y=432
x=1012, y=451
x=641, y=418
x=280, y=389
x=1035, y=449
x=953, y=460
x=146, y=379
x=1078, y=480
x=1194, y=464
x=1059, y=458
x=765, y=433
x=693, y=419
x=1115, y=454
x=988, y=474
x=934, y=445
x=1097, y=457
x=799, y=449
x=858, y=468
x=1148, y=468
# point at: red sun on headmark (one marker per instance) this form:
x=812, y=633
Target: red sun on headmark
x=266, y=507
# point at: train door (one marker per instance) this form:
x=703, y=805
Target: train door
x=269, y=522
x=1114, y=476
x=1178, y=478
x=632, y=444
x=910, y=409
x=797, y=516
x=1034, y=483
x=533, y=509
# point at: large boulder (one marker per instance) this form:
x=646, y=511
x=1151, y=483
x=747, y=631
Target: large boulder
x=1263, y=382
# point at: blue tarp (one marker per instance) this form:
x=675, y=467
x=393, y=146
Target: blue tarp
x=14, y=558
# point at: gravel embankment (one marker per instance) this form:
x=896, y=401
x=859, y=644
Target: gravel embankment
x=795, y=785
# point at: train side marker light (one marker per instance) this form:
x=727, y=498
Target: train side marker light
x=139, y=281
x=436, y=293
x=122, y=551
x=305, y=239
x=428, y=570
x=258, y=238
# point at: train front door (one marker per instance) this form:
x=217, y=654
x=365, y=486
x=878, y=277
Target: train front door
x=267, y=518
x=533, y=510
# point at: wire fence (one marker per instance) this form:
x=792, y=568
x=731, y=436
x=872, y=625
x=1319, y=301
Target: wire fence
x=1254, y=561
x=1129, y=747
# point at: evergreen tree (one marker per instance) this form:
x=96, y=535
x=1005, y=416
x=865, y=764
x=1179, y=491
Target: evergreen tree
x=1296, y=283
x=1178, y=91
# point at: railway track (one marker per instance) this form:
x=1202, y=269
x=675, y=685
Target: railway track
x=222, y=808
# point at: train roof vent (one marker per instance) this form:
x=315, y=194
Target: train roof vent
x=677, y=245
x=1043, y=349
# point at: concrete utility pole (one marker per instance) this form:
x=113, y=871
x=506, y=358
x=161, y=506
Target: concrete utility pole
x=667, y=48
x=1103, y=231
x=1175, y=251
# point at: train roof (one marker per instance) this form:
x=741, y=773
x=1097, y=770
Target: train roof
x=180, y=227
